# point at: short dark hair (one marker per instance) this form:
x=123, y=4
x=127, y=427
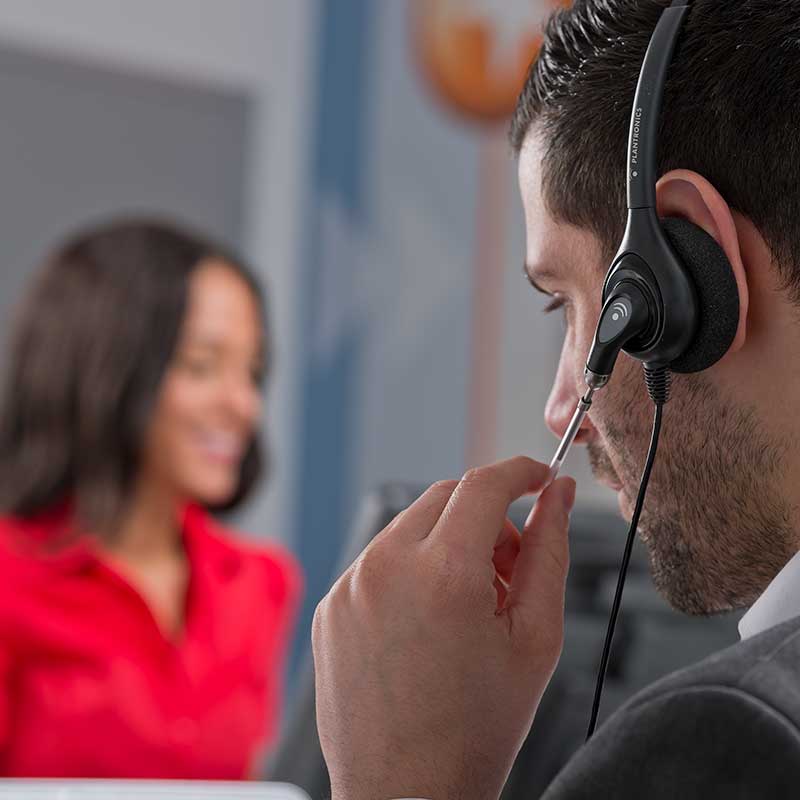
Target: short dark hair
x=92, y=343
x=730, y=112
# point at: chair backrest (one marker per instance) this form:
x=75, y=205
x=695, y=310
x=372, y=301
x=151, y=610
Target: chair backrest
x=651, y=640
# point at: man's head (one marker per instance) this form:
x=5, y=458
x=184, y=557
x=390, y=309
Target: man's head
x=721, y=514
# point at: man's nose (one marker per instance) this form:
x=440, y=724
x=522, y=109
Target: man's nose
x=561, y=406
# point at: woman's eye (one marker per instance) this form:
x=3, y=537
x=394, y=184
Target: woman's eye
x=258, y=376
x=198, y=367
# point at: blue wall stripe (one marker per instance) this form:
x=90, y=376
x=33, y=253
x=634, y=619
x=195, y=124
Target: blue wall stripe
x=326, y=435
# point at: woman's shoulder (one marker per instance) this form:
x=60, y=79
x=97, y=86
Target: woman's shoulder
x=23, y=540
x=12, y=544
x=30, y=567
x=267, y=562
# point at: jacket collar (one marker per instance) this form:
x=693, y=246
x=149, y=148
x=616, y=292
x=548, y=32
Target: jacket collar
x=778, y=603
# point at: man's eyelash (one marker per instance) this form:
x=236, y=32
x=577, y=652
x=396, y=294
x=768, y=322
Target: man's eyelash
x=554, y=305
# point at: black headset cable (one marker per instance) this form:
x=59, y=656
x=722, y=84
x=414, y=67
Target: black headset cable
x=658, y=386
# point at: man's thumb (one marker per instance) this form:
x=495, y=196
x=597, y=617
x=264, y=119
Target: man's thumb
x=540, y=572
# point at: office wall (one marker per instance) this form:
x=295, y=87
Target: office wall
x=80, y=144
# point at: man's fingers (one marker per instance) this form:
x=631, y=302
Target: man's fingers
x=475, y=514
x=541, y=568
x=501, y=588
x=505, y=555
x=506, y=550
x=416, y=522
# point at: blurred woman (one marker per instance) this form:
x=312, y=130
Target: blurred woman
x=138, y=638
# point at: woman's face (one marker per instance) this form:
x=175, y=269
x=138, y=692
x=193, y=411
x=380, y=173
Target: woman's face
x=210, y=398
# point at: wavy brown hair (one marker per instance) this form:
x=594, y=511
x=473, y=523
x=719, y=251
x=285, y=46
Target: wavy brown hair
x=92, y=343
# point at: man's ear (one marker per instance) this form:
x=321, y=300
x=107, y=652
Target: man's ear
x=685, y=194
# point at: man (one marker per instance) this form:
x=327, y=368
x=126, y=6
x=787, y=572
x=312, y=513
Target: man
x=434, y=649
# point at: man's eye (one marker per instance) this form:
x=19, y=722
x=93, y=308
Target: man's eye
x=554, y=305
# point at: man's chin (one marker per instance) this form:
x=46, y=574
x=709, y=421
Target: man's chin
x=683, y=599
x=677, y=571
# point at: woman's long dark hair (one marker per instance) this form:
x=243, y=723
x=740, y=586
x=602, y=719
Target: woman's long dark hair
x=92, y=344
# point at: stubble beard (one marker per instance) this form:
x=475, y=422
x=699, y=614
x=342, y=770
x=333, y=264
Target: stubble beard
x=715, y=523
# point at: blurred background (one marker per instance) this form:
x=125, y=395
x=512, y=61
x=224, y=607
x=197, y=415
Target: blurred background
x=354, y=151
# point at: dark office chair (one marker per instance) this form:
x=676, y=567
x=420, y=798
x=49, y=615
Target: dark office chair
x=651, y=640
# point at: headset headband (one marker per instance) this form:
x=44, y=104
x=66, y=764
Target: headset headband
x=643, y=140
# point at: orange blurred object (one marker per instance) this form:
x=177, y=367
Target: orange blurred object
x=476, y=53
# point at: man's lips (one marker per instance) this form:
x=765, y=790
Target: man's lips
x=602, y=469
x=615, y=486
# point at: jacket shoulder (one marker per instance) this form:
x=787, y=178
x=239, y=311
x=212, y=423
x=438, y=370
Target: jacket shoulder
x=727, y=726
x=764, y=666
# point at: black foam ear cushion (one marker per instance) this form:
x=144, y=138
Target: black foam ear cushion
x=717, y=294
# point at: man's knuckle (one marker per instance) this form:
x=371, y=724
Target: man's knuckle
x=473, y=475
x=491, y=482
x=369, y=571
x=485, y=478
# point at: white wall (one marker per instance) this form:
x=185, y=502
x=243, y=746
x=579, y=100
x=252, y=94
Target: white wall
x=263, y=47
x=233, y=43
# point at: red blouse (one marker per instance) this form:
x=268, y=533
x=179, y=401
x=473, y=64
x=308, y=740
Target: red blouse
x=89, y=686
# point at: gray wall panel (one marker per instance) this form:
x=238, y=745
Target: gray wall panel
x=80, y=143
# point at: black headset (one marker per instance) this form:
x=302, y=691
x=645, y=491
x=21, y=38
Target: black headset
x=670, y=298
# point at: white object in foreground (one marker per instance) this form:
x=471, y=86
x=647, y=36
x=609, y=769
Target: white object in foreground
x=24, y=789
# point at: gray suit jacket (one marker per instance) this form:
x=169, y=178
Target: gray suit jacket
x=727, y=727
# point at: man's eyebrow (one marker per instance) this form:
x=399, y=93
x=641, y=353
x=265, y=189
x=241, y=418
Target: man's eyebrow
x=540, y=275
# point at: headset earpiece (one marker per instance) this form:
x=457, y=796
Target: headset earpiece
x=717, y=294
x=682, y=296
x=687, y=300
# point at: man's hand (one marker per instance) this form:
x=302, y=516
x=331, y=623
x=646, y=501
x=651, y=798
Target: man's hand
x=433, y=650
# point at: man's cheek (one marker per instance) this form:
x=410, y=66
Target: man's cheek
x=622, y=427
